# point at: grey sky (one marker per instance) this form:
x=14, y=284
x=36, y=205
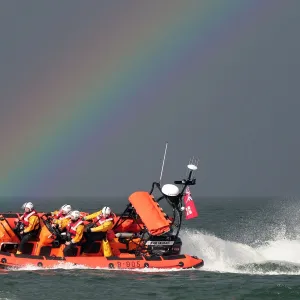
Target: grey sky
x=239, y=113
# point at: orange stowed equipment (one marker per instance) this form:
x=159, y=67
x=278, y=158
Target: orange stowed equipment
x=6, y=232
x=150, y=212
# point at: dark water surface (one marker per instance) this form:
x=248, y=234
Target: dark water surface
x=250, y=247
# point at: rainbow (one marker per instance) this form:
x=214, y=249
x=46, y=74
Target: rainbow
x=95, y=80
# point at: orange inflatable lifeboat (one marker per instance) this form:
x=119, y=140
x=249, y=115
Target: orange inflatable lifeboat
x=143, y=237
x=150, y=212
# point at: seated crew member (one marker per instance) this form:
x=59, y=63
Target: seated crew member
x=31, y=222
x=61, y=213
x=61, y=217
x=75, y=229
x=103, y=221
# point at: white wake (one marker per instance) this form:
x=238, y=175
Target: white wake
x=275, y=257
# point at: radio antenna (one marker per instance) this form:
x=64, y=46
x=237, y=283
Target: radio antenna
x=163, y=163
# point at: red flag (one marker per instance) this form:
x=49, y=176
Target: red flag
x=190, y=208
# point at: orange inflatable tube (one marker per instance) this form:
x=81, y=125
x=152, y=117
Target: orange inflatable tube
x=150, y=212
x=124, y=261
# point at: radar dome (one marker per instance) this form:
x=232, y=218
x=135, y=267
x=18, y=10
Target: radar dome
x=170, y=190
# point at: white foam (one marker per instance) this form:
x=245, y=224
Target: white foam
x=4, y=295
x=70, y=266
x=227, y=256
x=60, y=265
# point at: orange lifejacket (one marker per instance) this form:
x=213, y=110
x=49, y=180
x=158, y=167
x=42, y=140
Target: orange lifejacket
x=26, y=216
x=72, y=226
x=100, y=219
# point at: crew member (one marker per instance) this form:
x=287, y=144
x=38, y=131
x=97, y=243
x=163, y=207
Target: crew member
x=75, y=229
x=31, y=223
x=61, y=217
x=103, y=221
x=61, y=213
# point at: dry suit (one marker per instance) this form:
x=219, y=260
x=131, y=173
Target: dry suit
x=31, y=222
x=98, y=232
x=75, y=230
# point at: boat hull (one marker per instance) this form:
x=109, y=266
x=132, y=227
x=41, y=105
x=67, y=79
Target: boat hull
x=10, y=260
